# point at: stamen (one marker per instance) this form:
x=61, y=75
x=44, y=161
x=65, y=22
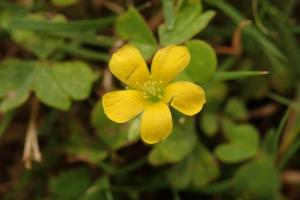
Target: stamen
x=152, y=90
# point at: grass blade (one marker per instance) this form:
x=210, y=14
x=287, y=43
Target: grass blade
x=279, y=132
x=289, y=154
x=85, y=53
x=284, y=101
x=232, y=75
x=80, y=25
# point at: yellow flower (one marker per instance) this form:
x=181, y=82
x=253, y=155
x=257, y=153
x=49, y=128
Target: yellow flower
x=152, y=93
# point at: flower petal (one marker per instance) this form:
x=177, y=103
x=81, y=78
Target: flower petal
x=186, y=97
x=168, y=62
x=156, y=122
x=128, y=65
x=123, y=105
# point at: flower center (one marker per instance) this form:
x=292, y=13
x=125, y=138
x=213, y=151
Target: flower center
x=153, y=90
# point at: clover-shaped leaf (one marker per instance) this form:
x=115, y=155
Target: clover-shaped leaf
x=54, y=83
x=236, y=108
x=257, y=179
x=203, y=62
x=195, y=171
x=48, y=90
x=57, y=83
x=75, y=78
x=209, y=123
x=15, y=83
x=243, y=143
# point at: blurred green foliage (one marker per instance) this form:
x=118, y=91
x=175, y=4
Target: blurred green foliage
x=242, y=145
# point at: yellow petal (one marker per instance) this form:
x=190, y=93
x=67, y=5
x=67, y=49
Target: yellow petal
x=123, y=105
x=186, y=97
x=168, y=62
x=128, y=65
x=156, y=122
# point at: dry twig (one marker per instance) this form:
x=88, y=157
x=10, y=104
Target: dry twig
x=236, y=48
x=31, y=147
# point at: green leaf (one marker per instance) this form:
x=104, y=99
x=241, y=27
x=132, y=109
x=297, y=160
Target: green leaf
x=49, y=91
x=131, y=26
x=169, y=14
x=70, y=184
x=56, y=83
x=209, y=123
x=180, y=175
x=195, y=171
x=15, y=83
x=14, y=74
x=53, y=83
x=188, y=23
x=203, y=62
x=257, y=180
x=183, y=5
x=76, y=78
x=15, y=99
x=243, y=143
x=236, y=108
x=205, y=167
x=175, y=148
